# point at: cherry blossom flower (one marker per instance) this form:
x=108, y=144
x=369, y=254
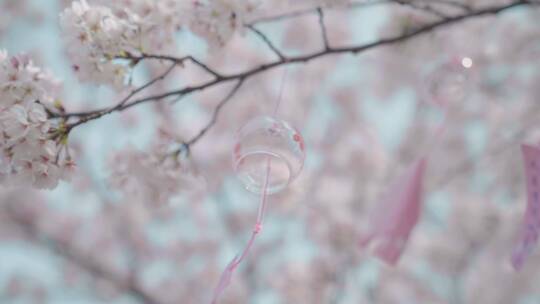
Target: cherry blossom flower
x=94, y=38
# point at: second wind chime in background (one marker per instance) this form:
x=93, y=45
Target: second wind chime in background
x=392, y=220
x=268, y=155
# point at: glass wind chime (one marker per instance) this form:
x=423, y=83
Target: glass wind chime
x=268, y=155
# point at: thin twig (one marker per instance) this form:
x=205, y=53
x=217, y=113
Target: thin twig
x=457, y=4
x=148, y=84
x=267, y=41
x=422, y=7
x=215, y=114
x=322, y=25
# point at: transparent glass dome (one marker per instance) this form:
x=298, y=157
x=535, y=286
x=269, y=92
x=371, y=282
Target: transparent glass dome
x=268, y=146
x=449, y=82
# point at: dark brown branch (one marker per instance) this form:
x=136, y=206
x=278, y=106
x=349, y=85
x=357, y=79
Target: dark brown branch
x=486, y=11
x=267, y=41
x=323, y=29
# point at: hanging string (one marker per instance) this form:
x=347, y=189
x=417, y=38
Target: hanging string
x=280, y=94
x=231, y=267
x=262, y=205
x=439, y=132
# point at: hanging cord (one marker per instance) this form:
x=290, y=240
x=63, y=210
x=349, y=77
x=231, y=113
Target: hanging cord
x=439, y=132
x=226, y=276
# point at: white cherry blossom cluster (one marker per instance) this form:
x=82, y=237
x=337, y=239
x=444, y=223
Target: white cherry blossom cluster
x=217, y=20
x=95, y=36
x=101, y=32
x=33, y=148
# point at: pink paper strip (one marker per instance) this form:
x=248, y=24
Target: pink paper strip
x=531, y=222
x=396, y=215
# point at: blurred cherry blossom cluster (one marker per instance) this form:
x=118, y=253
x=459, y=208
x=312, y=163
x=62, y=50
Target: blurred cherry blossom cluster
x=33, y=149
x=365, y=117
x=13, y=10
x=153, y=176
x=217, y=21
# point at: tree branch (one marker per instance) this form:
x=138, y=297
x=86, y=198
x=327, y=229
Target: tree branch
x=220, y=79
x=215, y=115
x=422, y=7
x=178, y=60
x=267, y=41
x=323, y=29
x=148, y=84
